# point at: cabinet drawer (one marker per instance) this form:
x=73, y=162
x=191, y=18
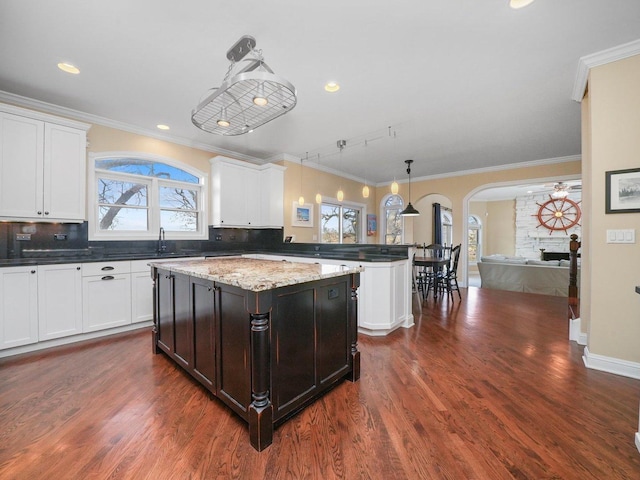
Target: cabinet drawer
x=105, y=268
x=141, y=266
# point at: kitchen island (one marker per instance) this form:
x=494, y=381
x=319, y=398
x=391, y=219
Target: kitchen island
x=265, y=337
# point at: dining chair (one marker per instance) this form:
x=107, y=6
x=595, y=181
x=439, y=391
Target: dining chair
x=449, y=279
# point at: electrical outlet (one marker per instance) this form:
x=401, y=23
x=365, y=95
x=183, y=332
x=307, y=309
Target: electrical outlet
x=23, y=236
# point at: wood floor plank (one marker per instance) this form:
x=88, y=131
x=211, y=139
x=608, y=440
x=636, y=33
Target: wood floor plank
x=484, y=388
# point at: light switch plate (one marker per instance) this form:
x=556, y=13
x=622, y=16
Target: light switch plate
x=621, y=236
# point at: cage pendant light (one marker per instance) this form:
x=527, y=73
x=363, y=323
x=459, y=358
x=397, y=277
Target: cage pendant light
x=250, y=96
x=410, y=211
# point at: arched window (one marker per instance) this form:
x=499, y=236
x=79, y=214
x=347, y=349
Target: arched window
x=134, y=195
x=474, y=239
x=392, y=222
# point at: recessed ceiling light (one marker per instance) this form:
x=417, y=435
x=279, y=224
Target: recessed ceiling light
x=163, y=127
x=332, y=87
x=519, y=3
x=69, y=68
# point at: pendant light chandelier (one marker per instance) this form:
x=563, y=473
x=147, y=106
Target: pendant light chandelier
x=394, y=185
x=365, y=188
x=409, y=211
x=248, y=97
x=301, y=198
x=341, y=145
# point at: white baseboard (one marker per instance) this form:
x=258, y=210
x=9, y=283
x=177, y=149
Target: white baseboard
x=611, y=365
x=575, y=333
x=72, y=339
x=638, y=441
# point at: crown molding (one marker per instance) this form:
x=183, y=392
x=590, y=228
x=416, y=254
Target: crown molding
x=586, y=63
x=497, y=168
x=50, y=108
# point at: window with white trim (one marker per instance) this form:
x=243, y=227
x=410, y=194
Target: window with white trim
x=392, y=221
x=340, y=223
x=134, y=195
x=474, y=239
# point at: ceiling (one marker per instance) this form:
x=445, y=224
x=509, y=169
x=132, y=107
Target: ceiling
x=455, y=85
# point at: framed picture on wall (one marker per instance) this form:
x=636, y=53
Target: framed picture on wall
x=302, y=215
x=372, y=224
x=622, y=190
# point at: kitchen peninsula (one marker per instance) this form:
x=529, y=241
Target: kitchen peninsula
x=265, y=337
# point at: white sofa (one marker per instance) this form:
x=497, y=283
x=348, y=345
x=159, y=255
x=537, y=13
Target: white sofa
x=518, y=274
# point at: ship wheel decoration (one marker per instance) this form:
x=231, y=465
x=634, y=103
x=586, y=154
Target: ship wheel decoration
x=558, y=214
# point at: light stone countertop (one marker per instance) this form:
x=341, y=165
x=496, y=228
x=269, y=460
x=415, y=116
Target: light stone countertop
x=255, y=275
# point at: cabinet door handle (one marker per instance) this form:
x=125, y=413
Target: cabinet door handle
x=46, y=213
x=33, y=271
x=78, y=268
x=108, y=277
x=39, y=212
x=105, y=269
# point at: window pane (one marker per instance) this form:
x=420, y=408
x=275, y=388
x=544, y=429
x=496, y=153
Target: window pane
x=393, y=233
x=146, y=168
x=393, y=200
x=117, y=192
x=179, y=221
x=330, y=223
x=122, y=218
x=173, y=197
x=350, y=222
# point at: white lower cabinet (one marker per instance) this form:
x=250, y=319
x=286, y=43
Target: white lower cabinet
x=106, y=295
x=384, y=296
x=18, y=306
x=141, y=291
x=59, y=301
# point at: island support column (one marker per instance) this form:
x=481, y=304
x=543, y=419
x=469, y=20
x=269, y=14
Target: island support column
x=353, y=323
x=261, y=409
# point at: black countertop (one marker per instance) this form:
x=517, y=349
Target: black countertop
x=65, y=257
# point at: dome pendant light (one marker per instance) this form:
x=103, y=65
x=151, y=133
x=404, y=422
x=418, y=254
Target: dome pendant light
x=410, y=211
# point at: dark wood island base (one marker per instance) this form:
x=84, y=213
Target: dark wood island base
x=267, y=353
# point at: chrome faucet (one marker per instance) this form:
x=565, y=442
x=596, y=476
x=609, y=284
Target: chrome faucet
x=162, y=246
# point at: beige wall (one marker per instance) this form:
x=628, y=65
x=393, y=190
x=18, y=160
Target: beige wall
x=309, y=182
x=612, y=310
x=458, y=188
x=423, y=224
x=498, y=234
x=105, y=139
x=500, y=226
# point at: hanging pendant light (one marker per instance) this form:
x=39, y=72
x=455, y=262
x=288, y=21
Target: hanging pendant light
x=365, y=189
x=341, y=145
x=318, y=195
x=301, y=198
x=410, y=211
x=394, y=187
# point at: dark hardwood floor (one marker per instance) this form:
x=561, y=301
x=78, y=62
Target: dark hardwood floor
x=486, y=388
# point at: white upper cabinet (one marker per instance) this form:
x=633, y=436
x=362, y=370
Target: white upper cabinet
x=246, y=195
x=42, y=166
